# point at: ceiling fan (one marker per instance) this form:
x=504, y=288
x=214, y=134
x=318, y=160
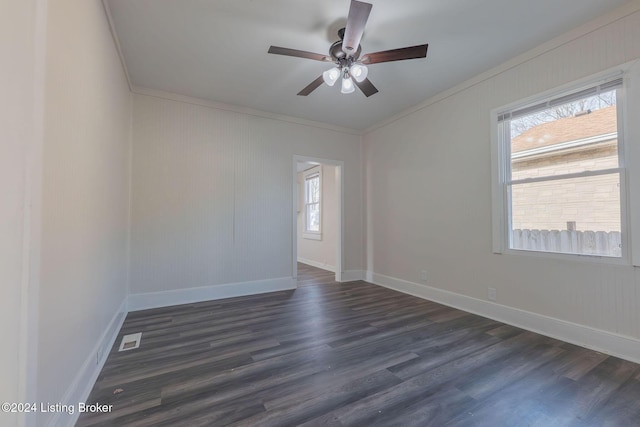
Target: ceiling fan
x=345, y=54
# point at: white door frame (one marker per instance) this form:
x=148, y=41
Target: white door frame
x=339, y=164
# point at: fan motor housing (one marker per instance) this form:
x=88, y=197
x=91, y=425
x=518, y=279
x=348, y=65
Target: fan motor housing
x=338, y=54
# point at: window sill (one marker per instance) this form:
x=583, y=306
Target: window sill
x=312, y=236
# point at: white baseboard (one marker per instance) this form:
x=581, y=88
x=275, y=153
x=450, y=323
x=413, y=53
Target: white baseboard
x=317, y=264
x=368, y=276
x=347, y=276
x=88, y=373
x=352, y=275
x=207, y=293
x=611, y=343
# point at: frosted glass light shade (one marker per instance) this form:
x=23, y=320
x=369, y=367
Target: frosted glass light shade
x=359, y=72
x=331, y=76
x=347, y=85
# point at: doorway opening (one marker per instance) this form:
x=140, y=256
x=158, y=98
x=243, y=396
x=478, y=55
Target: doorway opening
x=318, y=214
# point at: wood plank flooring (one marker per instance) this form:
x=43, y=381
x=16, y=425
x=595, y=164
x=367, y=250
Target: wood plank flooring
x=312, y=276
x=354, y=354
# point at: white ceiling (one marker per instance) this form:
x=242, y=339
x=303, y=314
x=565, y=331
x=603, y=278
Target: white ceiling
x=217, y=49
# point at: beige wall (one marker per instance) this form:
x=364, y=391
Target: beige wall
x=85, y=198
x=320, y=253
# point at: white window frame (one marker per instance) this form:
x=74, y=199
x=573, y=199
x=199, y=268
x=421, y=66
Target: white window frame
x=310, y=174
x=501, y=164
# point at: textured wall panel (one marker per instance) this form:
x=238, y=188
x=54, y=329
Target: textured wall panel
x=85, y=194
x=429, y=195
x=18, y=136
x=212, y=199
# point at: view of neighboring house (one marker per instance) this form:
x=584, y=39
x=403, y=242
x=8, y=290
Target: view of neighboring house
x=584, y=142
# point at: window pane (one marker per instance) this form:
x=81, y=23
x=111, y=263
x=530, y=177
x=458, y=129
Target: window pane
x=314, y=189
x=575, y=215
x=313, y=217
x=568, y=138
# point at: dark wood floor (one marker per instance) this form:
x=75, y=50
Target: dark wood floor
x=353, y=355
x=311, y=276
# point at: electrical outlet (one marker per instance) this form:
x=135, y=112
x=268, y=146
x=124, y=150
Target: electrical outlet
x=491, y=294
x=423, y=275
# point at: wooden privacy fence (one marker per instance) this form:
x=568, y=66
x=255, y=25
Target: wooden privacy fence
x=569, y=241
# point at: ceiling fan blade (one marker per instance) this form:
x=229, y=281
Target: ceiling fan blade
x=311, y=86
x=299, y=53
x=401, y=54
x=356, y=21
x=366, y=87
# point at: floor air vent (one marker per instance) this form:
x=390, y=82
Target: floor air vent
x=131, y=341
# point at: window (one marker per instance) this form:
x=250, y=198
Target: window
x=312, y=206
x=561, y=176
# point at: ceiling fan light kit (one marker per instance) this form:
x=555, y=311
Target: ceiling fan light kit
x=345, y=54
x=359, y=72
x=331, y=76
x=347, y=85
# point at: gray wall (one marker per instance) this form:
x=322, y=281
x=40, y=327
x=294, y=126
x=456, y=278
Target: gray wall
x=429, y=198
x=213, y=194
x=85, y=196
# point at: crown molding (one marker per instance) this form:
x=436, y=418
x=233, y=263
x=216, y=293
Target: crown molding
x=580, y=31
x=206, y=103
x=238, y=109
x=116, y=41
